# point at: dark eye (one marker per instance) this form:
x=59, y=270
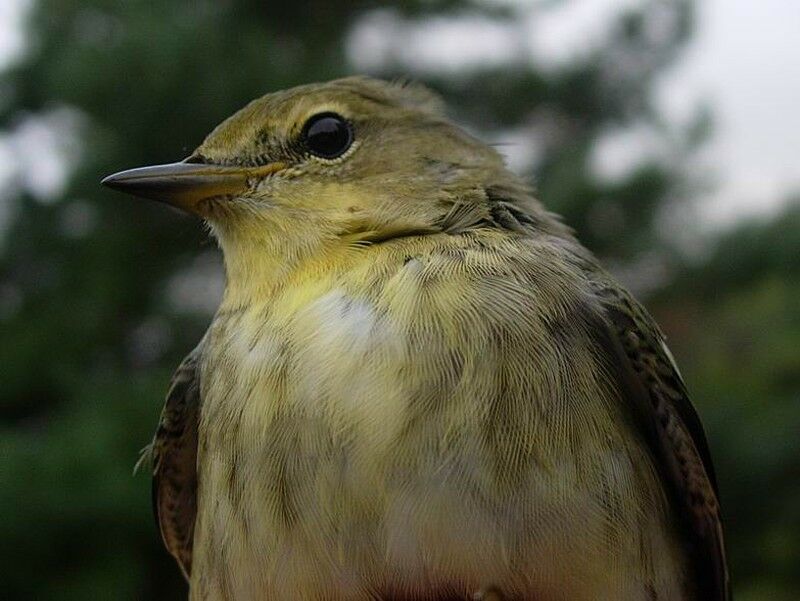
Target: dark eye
x=327, y=135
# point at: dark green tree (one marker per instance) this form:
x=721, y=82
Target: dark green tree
x=734, y=321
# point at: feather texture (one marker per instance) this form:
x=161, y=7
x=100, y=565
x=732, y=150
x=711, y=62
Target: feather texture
x=174, y=464
x=420, y=386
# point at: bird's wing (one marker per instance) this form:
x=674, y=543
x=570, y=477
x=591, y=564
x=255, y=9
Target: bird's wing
x=652, y=385
x=174, y=459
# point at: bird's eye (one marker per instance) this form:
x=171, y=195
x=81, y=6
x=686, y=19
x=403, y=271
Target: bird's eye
x=327, y=135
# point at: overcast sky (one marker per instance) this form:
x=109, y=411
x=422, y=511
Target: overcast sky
x=744, y=61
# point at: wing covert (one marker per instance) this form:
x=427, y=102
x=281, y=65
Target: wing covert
x=174, y=457
x=650, y=382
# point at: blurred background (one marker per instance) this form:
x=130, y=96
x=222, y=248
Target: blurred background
x=665, y=131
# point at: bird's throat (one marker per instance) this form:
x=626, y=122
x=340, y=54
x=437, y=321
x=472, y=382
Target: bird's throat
x=260, y=263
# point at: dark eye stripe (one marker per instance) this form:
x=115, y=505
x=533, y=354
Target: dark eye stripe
x=327, y=135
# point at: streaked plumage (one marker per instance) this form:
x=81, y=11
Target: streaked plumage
x=418, y=384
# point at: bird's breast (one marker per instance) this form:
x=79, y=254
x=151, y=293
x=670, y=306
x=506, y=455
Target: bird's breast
x=408, y=439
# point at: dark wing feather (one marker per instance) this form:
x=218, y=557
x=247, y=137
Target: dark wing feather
x=174, y=455
x=651, y=383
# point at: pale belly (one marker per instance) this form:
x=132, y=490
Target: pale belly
x=330, y=532
x=347, y=467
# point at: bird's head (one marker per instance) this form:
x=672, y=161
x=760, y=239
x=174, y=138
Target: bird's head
x=353, y=161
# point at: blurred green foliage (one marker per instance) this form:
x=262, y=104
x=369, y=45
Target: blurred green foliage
x=91, y=328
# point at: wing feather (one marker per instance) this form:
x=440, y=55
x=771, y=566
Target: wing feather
x=652, y=385
x=174, y=459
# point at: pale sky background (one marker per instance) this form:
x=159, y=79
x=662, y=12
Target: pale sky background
x=743, y=61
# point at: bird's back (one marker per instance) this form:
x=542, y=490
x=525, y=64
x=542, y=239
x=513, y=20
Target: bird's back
x=428, y=414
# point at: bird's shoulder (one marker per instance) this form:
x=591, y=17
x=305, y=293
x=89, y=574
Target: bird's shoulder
x=656, y=396
x=551, y=285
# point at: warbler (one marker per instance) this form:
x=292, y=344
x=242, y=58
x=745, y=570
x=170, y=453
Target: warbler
x=418, y=384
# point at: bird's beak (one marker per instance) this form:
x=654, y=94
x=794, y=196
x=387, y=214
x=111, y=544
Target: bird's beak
x=187, y=185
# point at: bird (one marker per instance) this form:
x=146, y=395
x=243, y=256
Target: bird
x=418, y=385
